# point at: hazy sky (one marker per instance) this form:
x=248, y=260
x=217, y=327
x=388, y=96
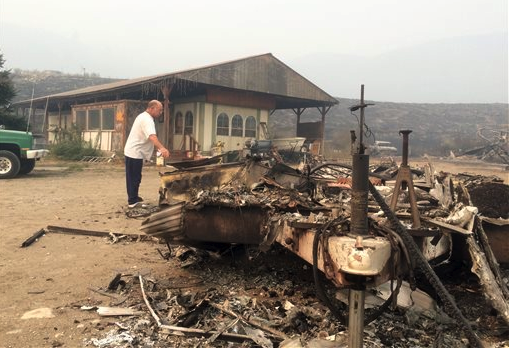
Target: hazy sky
x=393, y=46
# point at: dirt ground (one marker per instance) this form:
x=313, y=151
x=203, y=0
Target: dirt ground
x=59, y=271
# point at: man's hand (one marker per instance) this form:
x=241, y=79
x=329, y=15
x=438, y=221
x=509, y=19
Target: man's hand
x=164, y=152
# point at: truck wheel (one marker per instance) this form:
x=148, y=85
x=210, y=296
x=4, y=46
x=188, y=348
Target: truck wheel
x=9, y=164
x=27, y=165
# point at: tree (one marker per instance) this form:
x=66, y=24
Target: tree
x=7, y=93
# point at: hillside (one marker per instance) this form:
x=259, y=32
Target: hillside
x=437, y=128
x=48, y=82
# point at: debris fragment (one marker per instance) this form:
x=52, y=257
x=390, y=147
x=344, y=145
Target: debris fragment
x=34, y=238
x=40, y=313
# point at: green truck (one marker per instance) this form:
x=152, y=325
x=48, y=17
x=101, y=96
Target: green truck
x=17, y=153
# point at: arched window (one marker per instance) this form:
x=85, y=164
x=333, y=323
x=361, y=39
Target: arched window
x=222, y=125
x=250, y=129
x=178, y=123
x=237, y=126
x=188, y=123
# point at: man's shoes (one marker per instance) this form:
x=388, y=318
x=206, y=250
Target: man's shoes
x=138, y=204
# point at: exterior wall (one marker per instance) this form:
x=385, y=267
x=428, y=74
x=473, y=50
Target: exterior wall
x=102, y=137
x=179, y=140
x=114, y=138
x=204, y=125
x=119, y=137
x=234, y=142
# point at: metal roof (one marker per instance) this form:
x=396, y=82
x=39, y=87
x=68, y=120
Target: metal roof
x=260, y=74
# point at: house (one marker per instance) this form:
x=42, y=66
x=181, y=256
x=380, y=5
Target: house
x=226, y=103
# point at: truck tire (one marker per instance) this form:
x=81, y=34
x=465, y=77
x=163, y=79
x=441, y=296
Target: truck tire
x=27, y=165
x=9, y=164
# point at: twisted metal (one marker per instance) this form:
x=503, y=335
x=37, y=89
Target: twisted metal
x=423, y=264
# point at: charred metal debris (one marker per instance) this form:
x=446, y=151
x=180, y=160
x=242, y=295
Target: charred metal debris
x=262, y=202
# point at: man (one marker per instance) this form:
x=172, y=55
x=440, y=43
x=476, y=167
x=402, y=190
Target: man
x=139, y=147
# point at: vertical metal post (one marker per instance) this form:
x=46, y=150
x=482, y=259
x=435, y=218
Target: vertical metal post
x=405, y=146
x=359, y=227
x=359, y=195
x=356, y=317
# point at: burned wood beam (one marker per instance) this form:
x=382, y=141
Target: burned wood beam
x=33, y=238
x=74, y=231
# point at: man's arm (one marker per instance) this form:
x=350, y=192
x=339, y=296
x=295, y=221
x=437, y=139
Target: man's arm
x=154, y=139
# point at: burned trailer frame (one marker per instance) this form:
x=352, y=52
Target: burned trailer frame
x=217, y=208
x=211, y=217
x=227, y=203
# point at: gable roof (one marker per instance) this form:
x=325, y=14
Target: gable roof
x=260, y=74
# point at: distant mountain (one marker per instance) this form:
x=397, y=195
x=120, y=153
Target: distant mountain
x=48, y=82
x=470, y=69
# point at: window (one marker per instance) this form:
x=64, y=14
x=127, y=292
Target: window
x=237, y=126
x=178, y=123
x=108, y=119
x=222, y=125
x=81, y=119
x=94, y=121
x=250, y=129
x=188, y=123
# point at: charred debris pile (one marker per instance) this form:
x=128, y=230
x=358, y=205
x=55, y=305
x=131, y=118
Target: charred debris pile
x=267, y=205
x=426, y=251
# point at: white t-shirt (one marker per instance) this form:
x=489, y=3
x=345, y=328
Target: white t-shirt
x=138, y=145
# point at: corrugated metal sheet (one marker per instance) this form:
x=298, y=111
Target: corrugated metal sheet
x=167, y=223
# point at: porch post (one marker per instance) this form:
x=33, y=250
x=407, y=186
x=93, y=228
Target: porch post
x=59, y=114
x=298, y=112
x=323, y=110
x=167, y=126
